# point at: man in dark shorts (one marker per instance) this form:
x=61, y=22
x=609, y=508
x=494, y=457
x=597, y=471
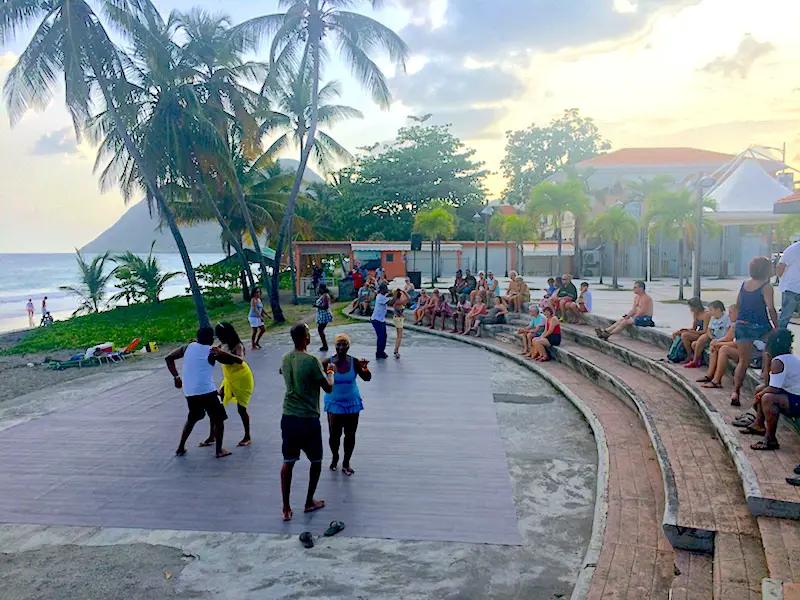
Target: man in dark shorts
x=300, y=426
x=197, y=382
x=641, y=315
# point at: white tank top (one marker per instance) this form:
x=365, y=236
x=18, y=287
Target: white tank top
x=791, y=372
x=197, y=374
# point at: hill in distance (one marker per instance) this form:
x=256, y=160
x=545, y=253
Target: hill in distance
x=136, y=229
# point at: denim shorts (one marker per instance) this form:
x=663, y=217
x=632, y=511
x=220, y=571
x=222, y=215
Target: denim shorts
x=644, y=322
x=750, y=332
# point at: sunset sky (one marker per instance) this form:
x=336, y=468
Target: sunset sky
x=714, y=74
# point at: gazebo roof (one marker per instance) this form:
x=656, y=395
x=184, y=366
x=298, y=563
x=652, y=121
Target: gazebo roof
x=748, y=189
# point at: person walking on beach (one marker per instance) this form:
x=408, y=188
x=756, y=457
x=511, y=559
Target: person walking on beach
x=197, y=382
x=29, y=309
x=256, y=318
x=300, y=428
x=44, y=306
x=237, y=384
x=379, y=321
x=344, y=404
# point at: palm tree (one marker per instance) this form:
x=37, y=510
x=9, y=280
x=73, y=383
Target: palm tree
x=616, y=226
x=520, y=229
x=554, y=200
x=146, y=274
x=638, y=192
x=672, y=214
x=70, y=38
x=435, y=223
x=303, y=30
x=92, y=288
x=497, y=226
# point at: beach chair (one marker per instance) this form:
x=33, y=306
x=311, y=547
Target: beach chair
x=68, y=364
x=120, y=356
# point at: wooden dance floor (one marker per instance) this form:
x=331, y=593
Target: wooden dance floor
x=430, y=463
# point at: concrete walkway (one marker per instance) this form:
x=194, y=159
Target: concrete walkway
x=552, y=487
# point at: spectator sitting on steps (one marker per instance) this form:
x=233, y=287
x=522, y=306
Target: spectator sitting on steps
x=582, y=305
x=641, y=315
x=700, y=319
x=718, y=325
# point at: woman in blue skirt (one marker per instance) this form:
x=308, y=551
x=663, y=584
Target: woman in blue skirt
x=343, y=404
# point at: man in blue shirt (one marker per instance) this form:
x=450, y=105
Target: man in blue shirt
x=379, y=320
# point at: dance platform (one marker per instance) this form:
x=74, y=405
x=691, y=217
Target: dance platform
x=430, y=462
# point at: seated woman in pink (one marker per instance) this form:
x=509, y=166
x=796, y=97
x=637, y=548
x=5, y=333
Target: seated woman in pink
x=440, y=309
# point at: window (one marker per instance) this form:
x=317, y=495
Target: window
x=389, y=258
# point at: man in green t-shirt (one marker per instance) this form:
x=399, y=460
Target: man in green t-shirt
x=300, y=426
x=566, y=293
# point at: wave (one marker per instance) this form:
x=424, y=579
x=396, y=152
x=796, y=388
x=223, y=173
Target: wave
x=37, y=295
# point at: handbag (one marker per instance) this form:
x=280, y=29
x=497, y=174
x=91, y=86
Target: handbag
x=677, y=353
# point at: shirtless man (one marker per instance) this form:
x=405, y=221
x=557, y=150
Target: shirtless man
x=641, y=315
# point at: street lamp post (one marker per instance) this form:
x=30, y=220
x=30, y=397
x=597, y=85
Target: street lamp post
x=702, y=184
x=476, y=218
x=487, y=214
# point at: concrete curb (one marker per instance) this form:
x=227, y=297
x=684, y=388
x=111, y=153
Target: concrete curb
x=581, y=589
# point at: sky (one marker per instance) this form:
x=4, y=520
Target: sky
x=713, y=74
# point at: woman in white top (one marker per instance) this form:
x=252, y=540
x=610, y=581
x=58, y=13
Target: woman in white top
x=780, y=393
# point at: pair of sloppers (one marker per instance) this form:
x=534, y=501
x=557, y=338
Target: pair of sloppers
x=308, y=540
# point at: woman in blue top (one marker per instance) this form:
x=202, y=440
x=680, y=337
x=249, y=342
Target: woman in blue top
x=343, y=404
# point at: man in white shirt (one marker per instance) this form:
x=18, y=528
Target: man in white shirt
x=197, y=381
x=788, y=270
x=379, y=320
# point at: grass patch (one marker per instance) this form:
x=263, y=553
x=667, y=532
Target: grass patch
x=171, y=321
x=674, y=301
x=613, y=289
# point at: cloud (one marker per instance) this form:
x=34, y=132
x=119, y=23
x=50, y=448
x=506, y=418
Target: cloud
x=740, y=63
x=61, y=141
x=470, y=123
x=7, y=61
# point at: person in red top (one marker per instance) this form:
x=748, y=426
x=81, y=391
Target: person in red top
x=358, y=279
x=550, y=337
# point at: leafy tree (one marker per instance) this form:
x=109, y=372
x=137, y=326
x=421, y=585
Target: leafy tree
x=554, y=200
x=436, y=223
x=91, y=290
x=638, y=192
x=148, y=280
x=535, y=153
x=672, y=213
x=616, y=226
x=70, y=39
x=303, y=32
x=520, y=229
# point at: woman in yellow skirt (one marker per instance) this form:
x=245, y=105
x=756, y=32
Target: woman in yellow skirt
x=237, y=384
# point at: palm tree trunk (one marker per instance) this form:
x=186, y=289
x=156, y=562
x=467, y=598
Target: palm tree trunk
x=558, y=232
x=506, y=242
x=292, y=266
x=576, y=249
x=615, y=266
x=680, y=269
x=277, y=313
x=153, y=189
x=433, y=262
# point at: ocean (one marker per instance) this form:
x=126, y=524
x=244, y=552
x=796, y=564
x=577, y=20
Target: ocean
x=35, y=276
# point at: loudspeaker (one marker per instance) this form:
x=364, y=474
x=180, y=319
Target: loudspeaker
x=416, y=242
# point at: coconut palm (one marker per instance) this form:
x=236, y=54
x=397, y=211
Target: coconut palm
x=638, y=192
x=70, y=39
x=301, y=39
x=148, y=279
x=672, y=214
x=554, y=200
x=435, y=223
x=615, y=226
x=92, y=288
x=520, y=229
x=497, y=227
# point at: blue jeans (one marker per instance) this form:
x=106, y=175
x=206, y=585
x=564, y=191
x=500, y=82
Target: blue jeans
x=380, y=331
x=789, y=302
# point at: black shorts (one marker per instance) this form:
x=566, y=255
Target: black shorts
x=301, y=434
x=794, y=405
x=206, y=404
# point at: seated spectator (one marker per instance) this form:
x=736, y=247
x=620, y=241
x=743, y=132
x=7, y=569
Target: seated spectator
x=780, y=392
x=551, y=287
x=458, y=286
x=432, y=306
x=441, y=308
x=410, y=290
x=700, y=320
x=641, y=315
x=545, y=301
x=566, y=293
x=718, y=325
x=492, y=286
x=718, y=360
x=363, y=302
x=478, y=309
x=583, y=304
x=469, y=284
x=534, y=329
x=550, y=337
x=422, y=305
x=513, y=288
x=480, y=287
x=524, y=293
x=494, y=316
x=462, y=309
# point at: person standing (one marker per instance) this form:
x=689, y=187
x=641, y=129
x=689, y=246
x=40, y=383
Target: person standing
x=316, y=277
x=379, y=320
x=256, y=318
x=197, y=382
x=300, y=428
x=400, y=300
x=44, y=306
x=788, y=270
x=324, y=315
x=30, y=311
x=344, y=404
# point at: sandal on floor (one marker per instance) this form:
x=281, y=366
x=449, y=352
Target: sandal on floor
x=711, y=385
x=744, y=420
x=307, y=539
x=335, y=527
x=763, y=445
x=752, y=431
x=704, y=379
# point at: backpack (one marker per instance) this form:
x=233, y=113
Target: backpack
x=677, y=353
